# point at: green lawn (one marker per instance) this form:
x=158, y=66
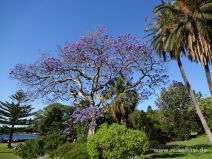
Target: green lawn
x=195, y=143
x=6, y=153
x=198, y=143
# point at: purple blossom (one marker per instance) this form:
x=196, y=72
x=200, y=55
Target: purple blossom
x=84, y=67
x=90, y=114
x=87, y=114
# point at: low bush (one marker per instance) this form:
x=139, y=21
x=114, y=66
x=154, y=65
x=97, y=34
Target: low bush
x=78, y=151
x=34, y=148
x=52, y=141
x=31, y=149
x=62, y=150
x=69, y=150
x=117, y=142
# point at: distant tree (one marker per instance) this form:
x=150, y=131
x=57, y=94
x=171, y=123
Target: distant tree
x=51, y=119
x=177, y=116
x=206, y=107
x=15, y=113
x=147, y=122
x=154, y=118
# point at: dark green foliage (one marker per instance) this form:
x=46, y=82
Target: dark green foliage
x=31, y=149
x=177, y=116
x=62, y=150
x=53, y=140
x=123, y=99
x=34, y=148
x=79, y=151
x=81, y=130
x=51, y=118
x=68, y=150
x=149, y=123
x=16, y=112
x=206, y=107
x=56, y=118
x=117, y=142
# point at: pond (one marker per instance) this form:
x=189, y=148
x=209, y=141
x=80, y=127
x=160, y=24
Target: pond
x=19, y=136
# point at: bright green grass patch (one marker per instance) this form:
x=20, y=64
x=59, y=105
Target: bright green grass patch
x=200, y=144
x=201, y=140
x=6, y=153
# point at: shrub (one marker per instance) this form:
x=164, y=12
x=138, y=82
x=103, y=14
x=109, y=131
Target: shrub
x=31, y=149
x=62, y=150
x=71, y=151
x=34, y=148
x=53, y=140
x=78, y=151
x=117, y=142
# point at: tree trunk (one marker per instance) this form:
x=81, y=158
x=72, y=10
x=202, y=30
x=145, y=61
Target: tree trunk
x=195, y=101
x=92, y=128
x=208, y=77
x=91, y=131
x=10, y=136
x=123, y=122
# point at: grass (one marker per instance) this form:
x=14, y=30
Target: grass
x=6, y=153
x=201, y=140
x=198, y=143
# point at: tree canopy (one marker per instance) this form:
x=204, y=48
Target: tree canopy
x=84, y=67
x=16, y=112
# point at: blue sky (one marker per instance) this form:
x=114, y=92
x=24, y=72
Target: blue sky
x=29, y=27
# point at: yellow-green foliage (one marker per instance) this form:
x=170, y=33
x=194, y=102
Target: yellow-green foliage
x=117, y=142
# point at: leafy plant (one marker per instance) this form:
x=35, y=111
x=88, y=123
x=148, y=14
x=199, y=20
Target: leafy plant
x=31, y=149
x=34, y=148
x=52, y=141
x=79, y=151
x=117, y=142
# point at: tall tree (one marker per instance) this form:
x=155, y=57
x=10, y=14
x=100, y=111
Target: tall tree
x=195, y=17
x=85, y=67
x=15, y=113
x=177, y=117
x=51, y=119
x=168, y=37
x=190, y=22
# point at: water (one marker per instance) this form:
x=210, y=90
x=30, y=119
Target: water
x=19, y=136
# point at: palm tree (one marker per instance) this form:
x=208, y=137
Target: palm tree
x=195, y=17
x=15, y=113
x=192, y=20
x=169, y=35
x=123, y=99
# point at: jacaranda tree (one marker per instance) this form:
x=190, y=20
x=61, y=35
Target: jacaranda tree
x=84, y=67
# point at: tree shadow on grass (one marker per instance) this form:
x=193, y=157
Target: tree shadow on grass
x=197, y=147
x=168, y=155
x=174, y=151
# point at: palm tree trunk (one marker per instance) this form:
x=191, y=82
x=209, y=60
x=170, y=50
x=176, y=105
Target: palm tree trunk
x=10, y=136
x=208, y=77
x=194, y=100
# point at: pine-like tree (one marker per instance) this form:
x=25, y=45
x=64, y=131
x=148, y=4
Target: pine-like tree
x=15, y=113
